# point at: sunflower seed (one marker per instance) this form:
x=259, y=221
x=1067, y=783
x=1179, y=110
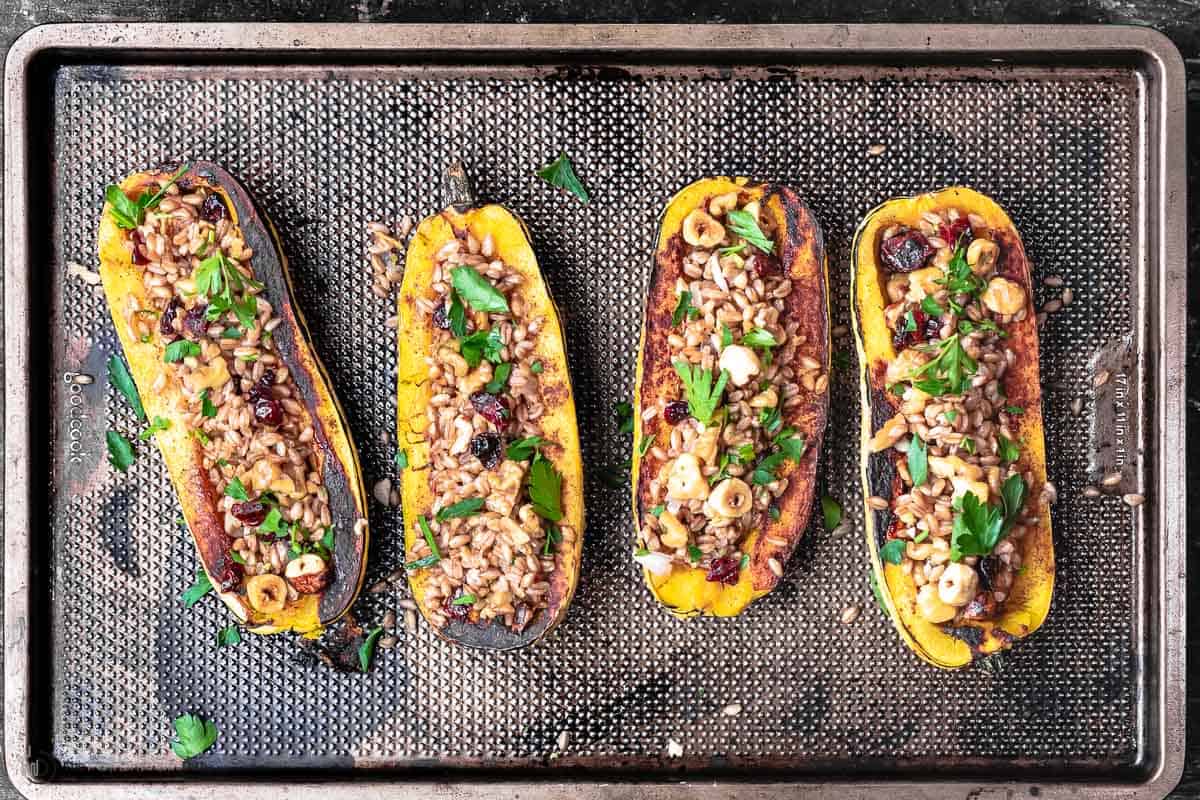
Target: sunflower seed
x=77, y=270
x=408, y=604
x=1077, y=406
x=1052, y=307
x=674, y=749
x=410, y=620
x=839, y=331
x=388, y=642
x=378, y=587
x=1050, y=493
x=877, y=502
x=775, y=566
x=82, y=378
x=876, y=149
x=732, y=710
x=389, y=621
x=1111, y=479
x=383, y=491
x=564, y=739
x=1101, y=378
x=1091, y=491
x=1053, y=281
x=1134, y=500
x=1067, y=296
x=850, y=613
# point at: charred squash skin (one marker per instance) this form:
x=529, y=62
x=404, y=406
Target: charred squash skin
x=948, y=646
x=801, y=247
x=415, y=336
x=183, y=454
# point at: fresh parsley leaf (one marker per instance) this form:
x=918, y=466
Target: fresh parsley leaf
x=536, y=368
x=236, y=490
x=932, y=307
x=118, y=376
x=893, y=551
x=733, y=250
x=774, y=512
x=159, y=424
x=647, y=443
x=481, y=345
x=840, y=360
x=967, y=326
x=236, y=556
x=274, y=522
x=499, y=378
x=561, y=173
x=120, y=451
x=422, y=563
x=959, y=277
x=831, y=510
x=366, y=651
x=726, y=336
x=764, y=471
x=968, y=445
x=658, y=509
x=910, y=322
x=207, y=408
x=793, y=446
x=229, y=636
x=126, y=213
x=402, y=459
x=1008, y=450
x=977, y=528
x=950, y=415
x=694, y=554
x=198, y=589
x=553, y=537
x=702, y=396
x=771, y=420
x=430, y=540
x=918, y=460
x=759, y=338
x=683, y=308
x=193, y=735
x=460, y=510
x=949, y=372
x=524, y=449
x=200, y=436
x=457, y=315
x=624, y=412
x=745, y=562
x=180, y=349
x=232, y=332
x=1014, y=410
x=545, y=489
x=463, y=600
x=743, y=224
x=477, y=291
x=1013, y=491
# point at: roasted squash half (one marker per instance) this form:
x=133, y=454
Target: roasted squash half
x=482, y=233
x=306, y=594
x=975, y=629
x=706, y=574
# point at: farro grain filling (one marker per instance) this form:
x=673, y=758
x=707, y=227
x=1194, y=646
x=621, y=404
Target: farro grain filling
x=741, y=367
x=965, y=506
x=490, y=542
x=238, y=398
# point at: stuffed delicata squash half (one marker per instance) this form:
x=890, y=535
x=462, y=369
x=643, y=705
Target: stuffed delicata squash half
x=953, y=458
x=493, y=491
x=255, y=442
x=732, y=394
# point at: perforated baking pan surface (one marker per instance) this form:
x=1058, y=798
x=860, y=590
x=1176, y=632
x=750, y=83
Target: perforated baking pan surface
x=1073, y=139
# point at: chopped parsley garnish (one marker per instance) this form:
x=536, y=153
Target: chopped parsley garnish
x=120, y=451
x=745, y=562
x=200, y=436
x=959, y=277
x=197, y=590
x=481, y=345
x=910, y=322
x=841, y=360
x=1015, y=410
x=920, y=537
x=232, y=332
x=968, y=444
x=1008, y=449
x=460, y=510
x=159, y=424
x=545, y=489
x=236, y=490
x=771, y=420
x=128, y=213
x=694, y=554
x=624, y=412
x=463, y=600
x=764, y=471
x=949, y=372
x=228, y=636
x=457, y=316
x=236, y=556
x=726, y=336
x=931, y=307
x=477, y=291
x=193, y=735
x=274, y=522
x=792, y=445
x=775, y=513
x=366, y=651
x=180, y=349
x=831, y=511
x=893, y=551
x=658, y=509
x=429, y=539
x=979, y=527
x=422, y=563
x=118, y=376
x=759, y=338
x=647, y=443
x=561, y=173
x=536, y=368
x=499, y=379
x=733, y=249
x=683, y=308
x=524, y=449
x=950, y=415
x=207, y=408
x=918, y=460
x=743, y=224
x=218, y=279
x=553, y=537
x=703, y=397
x=402, y=459
x=966, y=326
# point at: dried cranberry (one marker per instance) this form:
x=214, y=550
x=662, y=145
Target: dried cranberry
x=166, y=323
x=459, y=612
x=250, y=513
x=724, y=570
x=138, y=244
x=213, y=208
x=906, y=251
x=268, y=412
x=765, y=264
x=441, y=318
x=261, y=390
x=932, y=328
x=492, y=408
x=195, y=322
x=487, y=447
x=676, y=411
x=951, y=231
x=987, y=568
x=230, y=576
x=905, y=338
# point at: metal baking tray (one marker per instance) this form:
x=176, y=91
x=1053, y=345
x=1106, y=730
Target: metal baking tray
x=1079, y=132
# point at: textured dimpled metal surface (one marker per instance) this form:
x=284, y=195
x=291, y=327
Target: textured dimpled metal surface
x=326, y=152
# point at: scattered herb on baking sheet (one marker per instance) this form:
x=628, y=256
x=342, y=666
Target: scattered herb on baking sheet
x=1008, y=449
x=118, y=376
x=831, y=510
x=561, y=173
x=647, y=443
x=206, y=405
x=553, y=537
x=683, y=308
x=463, y=600
x=197, y=590
x=402, y=459
x=499, y=379
x=193, y=735
x=615, y=476
x=228, y=636
x=545, y=489
x=918, y=460
x=477, y=291
x=159, y=424
x=893, y=551
x=128, y=213
x=427, y=532
x=759, y=338
x=703, y=396
x=366, y=650
x=624, y=412
x=524, y=449
x=841, y=360
x=236, y=490
x=179, y=350
x=120, y=451
x=745, y=225
x=460, y=510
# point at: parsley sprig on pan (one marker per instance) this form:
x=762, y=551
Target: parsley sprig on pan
x=193, y=735
x=743, y=224
x=703, y=397
x=561, y=173
x=128, y=213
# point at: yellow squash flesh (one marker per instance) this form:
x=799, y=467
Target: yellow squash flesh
x=1028, y=602
x=800, y=247
x=415, y=334
x=183, y=454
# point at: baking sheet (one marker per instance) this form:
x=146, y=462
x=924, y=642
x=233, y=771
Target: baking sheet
x=1070, y=150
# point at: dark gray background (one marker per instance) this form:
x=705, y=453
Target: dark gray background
x=1179, y=19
